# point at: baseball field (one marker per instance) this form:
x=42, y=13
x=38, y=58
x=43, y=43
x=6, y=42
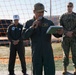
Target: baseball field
x=58, y=56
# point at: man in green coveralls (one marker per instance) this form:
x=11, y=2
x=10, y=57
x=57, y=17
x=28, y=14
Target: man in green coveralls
x=68, y=21
x=42, y=53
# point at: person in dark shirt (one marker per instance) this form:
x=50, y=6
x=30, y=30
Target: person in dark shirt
x=14, y=32
x=42, y=53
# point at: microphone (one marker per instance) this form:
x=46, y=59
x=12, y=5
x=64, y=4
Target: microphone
x=40, y=18
x=40, y=21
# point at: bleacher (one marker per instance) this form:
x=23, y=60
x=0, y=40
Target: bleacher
x=4, y=23
x=3, y=26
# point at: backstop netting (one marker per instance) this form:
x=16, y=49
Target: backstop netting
x=24, y=8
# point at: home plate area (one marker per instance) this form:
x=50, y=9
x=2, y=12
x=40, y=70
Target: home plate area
x=30, y=73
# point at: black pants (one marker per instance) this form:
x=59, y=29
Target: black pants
x=21, y=52
x=42, y=59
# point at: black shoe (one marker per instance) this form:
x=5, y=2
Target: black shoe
x=25, y=74
x=74, y=73
x=64, y=73
x=11, y=74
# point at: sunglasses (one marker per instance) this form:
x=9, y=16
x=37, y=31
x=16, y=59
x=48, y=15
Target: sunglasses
x=41, y=12
x=69, y=6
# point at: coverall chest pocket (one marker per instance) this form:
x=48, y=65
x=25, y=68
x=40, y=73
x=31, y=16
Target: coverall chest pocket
x=45, y=26
x=37, y=31
x=18, y=31
x=13, y=30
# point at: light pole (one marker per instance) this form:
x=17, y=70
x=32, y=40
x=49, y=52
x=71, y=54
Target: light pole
x=50, y=7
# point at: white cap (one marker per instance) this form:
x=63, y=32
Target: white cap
x=16, y=17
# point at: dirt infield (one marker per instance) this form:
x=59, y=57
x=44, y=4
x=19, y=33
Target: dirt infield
x=27, y=58
x=5, y=60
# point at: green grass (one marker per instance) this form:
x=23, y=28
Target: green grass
x=57, y=50
x=59, y=65
x=4, y=53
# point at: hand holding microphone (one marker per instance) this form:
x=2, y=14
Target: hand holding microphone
x=36, y=22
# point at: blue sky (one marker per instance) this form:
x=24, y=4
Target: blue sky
x=24, y=8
